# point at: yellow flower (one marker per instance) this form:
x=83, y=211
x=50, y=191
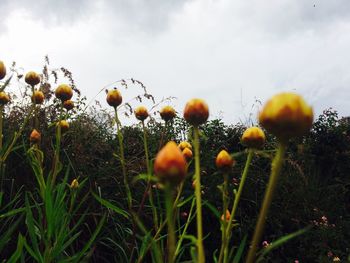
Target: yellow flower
x=114, y=98
x=224, y=161
x=64, y=92
x=32, y=78
x=226, y=217
x=253, y=137
x=68, y=105
x=187, y=153
x=170, y=164
x=286, y=115
x=74, y=184
x=4, y=98
x=167, y=113
x=35, y=136
x=141, y=113
x=196, y=112
x=2, y=70
x=64, y=126
x=184, y=144
x=38, y=97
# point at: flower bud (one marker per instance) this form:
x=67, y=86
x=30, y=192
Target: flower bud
x=184, y=144
x=32, y=78
x=2, y=70
x=64, y=126
x=38, y=97
x=4, y=98
x=68, y=105
x=187, y=153
x=286, y=115
x=170, y=165
x=167, y=113
x=114, y=98
x=224, y=161
x=35, y=137
x=253, y=137
x=64, y=92
x=196, y=112
x=141, y=113
x=226, y=217
x=74, y=184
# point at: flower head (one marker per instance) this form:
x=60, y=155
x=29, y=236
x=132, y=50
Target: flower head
x=64, y=92
x=286, y=115
x=2, y=70
x=35, y=137
x=170, y=164
x=74, y=184
x=4, y=98
x=64, y=125
x=167, y=113
x=196, y=112
x=187, y=153
x=32, y=78
x=141, y=113
x=224, y=161
x=68, y=105
x=184, y=144
x=227, y=216
x=38, y=97
x=253, y=137
x=114, y=98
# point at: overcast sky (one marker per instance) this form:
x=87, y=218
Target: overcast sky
x=228, y=52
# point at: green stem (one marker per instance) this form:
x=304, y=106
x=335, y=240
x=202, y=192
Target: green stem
x=1, y=124
x=275, y=172
x=58, y=146
x=201, y=255
x=224, y=222
x=171, y=225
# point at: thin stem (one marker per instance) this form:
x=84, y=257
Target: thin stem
x=169, y=202
x=58, y=146
x=201, y=255
x=275, y=172
x=1, y=124
x=224, y=222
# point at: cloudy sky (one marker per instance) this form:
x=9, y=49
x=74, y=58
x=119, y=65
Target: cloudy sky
x=231, y=53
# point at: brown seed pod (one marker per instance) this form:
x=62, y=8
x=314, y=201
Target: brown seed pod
x=114, y=98
x=32, y=78
x=64, y=92
x=64, y=126
x=167, y=113
x=141, y=113
x=2, y=70
x=68, y=105
x=38, y=97
x=196, y=112
x=4, y=98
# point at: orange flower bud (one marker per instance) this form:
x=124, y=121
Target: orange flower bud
x=35, y=137
x=68, y=105
x=167, y=113
x=141, y=113
x=4, y=98
x=114, y=98
x=2, y=70
x=32, y=78
x=64, y=92
x=286, y=115
x=64, y=126
x=224, y=161
x=253, y=137
x=170, y=165
x=74, y=184
x=184, y=144
x=226, y=217
x=38, y=97
x=196, y=112
x=187, y=153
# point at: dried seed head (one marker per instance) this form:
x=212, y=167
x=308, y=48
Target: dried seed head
x=4, y=98
x=64, y=92
x=170, y=165
x=167, y=113
x=141, y=113
x=286, y=115
x=2, y=70
x=32, y=78
x=38, y=97
x=35, y=137
x=187, y=153
x=196, y=112
x=253, y=137
x=224, y=161
x=184, y=144
x=114, y=98
x=68, y=105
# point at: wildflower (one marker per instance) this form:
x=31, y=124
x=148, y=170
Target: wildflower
x=336, y=259
x=167, y=113
x=170, y=164
x=35, y=137
x=227, y=216
x=141, y=113
x=4, y=98
x=2, y=70
x=32, y=78
x=196, y=112
x=64, y=92
x=74, y=184
x=38, y=97
x=184, y=144
x=253, y=137
x=265, y=244
x=224, y=161
x=64, y=126
x=114, y=98
x=286, y=115
x=68, y=105
x=187, y=153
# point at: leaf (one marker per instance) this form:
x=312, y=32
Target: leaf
x=111, y=206
x=240, y=249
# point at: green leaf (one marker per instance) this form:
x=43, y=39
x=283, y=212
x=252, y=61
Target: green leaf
x=111, y=206
x=240, y=250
